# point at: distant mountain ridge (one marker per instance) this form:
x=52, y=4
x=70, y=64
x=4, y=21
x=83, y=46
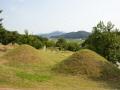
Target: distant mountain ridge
x=52, y=34
x=74, y=35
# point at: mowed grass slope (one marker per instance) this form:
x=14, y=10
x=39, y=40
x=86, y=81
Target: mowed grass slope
x=20, y=71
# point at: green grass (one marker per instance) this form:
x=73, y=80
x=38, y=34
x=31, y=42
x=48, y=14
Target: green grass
x=39, y=75
x=33, y=77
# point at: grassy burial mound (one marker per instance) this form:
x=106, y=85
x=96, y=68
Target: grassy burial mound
x=89, y=63
x=23, y=54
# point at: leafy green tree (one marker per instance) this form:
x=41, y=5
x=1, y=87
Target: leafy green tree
x=30, y=40
x=1, y=19
x=105, y=41
x=3, y=32
x=61, y=43
x=50, y=43
x=42, y=39
x=33, y=41
x=73, y=46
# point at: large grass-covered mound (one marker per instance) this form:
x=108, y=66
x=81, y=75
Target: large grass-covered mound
x=89, y=63
x=23, y=54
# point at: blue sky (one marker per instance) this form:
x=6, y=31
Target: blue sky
x=43, y=16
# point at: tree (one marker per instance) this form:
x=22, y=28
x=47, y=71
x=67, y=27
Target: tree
x=73, y=46
x=61, y=43
x=50, y=43
x=105, y=41
x=42, y=39
x=1, y=19
x=2, y=31
x=30, y=40
x=13, y=35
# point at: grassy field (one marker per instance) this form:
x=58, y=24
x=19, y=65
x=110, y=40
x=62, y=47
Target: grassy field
x=39, y=76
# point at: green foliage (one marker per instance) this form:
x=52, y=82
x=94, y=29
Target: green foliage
x=0, y=19
x=42, y=39
x=30, y=40
x=67, y=45
x=105, y=40
x=7, y=37
x=61, y=43
x=73, y=46
x=50, y=43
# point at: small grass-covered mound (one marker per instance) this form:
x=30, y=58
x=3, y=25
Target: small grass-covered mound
x=89, y=63
x=23, y=54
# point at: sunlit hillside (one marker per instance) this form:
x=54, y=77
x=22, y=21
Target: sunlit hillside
x=16, y=73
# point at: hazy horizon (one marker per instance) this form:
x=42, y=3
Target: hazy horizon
x=44, y=16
